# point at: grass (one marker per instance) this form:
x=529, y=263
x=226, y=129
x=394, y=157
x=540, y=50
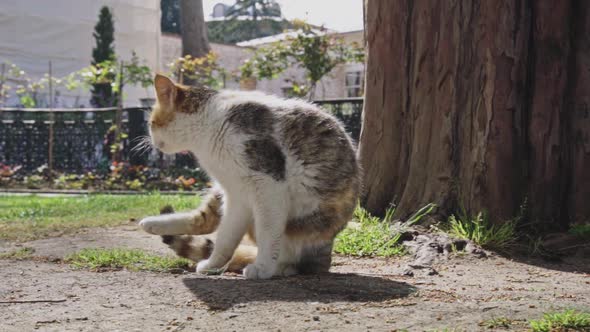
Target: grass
x=498, y=322
x=482, y=232
x=418, y=215
x=569, y=320
x=30, y=217
x=374, y=236
x=535, y=245
x=23, y=253
x=130, y=259
x=580, y=230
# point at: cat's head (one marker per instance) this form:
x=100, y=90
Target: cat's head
x=175, y=110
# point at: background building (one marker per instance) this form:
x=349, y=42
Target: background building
x=34, y=32
x=345, y=81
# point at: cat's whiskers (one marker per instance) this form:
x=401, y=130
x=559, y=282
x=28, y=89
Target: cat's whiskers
x=144, y=145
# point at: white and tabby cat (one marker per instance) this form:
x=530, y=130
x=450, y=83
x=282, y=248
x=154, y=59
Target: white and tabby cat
x=286, y=174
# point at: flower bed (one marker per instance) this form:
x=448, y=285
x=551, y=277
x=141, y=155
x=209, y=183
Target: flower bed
x=120, y=176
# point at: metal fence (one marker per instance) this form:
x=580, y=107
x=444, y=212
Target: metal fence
x=81, y=139
x=348, y=110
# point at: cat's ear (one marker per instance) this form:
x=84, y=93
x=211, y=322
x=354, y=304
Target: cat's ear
x=165, y=89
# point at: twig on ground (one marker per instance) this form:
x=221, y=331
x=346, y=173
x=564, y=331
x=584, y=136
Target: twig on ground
x=33, y=301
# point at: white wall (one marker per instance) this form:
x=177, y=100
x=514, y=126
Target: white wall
x=32, y=32
x=231, y=57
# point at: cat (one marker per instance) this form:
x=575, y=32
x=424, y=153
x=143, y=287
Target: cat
x=285, y=172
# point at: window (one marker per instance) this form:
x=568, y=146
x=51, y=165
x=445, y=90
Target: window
x=354, y=84
x=219, y=10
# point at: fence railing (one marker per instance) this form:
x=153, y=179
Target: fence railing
x=348, y=110
x=80, y=137
x=82, y=140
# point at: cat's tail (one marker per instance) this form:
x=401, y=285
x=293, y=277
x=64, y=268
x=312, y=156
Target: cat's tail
x=198, y=248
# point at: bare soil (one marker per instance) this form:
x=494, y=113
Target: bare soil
x=359, y=295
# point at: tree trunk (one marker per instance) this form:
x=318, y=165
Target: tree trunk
x=478, y=105
x=194, y=30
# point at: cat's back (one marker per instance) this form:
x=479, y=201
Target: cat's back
x=315, y=138
x=289, y=137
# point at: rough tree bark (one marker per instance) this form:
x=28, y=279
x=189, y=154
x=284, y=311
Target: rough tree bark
x=478, y=105
x=194, y=30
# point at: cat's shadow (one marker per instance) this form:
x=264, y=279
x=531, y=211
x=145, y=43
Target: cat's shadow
x=222, y=293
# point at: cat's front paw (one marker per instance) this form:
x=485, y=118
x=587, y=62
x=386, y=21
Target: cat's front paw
x=255, y=271
x=204, y=267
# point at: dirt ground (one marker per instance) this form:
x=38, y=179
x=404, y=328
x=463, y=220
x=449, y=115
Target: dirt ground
x=359, y=294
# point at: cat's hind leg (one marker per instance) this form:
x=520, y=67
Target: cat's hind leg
x=309, y=259
x=315, y=259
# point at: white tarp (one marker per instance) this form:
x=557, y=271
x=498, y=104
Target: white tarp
x=32, y=32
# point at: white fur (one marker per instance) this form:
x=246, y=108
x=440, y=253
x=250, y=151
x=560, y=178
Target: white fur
x=248, y=197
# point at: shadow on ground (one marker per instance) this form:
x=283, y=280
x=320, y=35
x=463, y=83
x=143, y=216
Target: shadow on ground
x=223, y=293
x=563, y=263
x=563, y=252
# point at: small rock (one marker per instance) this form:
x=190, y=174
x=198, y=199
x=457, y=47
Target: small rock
x=408, y=272
x=177, y=271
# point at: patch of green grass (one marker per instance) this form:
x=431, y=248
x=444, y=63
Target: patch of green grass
x=30, y=217
x=580, y=230
x=569, y=320
x=457, y=251
x=373, y=236
x=535, y=245
x=130, y=259
x=23, y=253
x=498, y=322
x=482, y=232
x=418, y=215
